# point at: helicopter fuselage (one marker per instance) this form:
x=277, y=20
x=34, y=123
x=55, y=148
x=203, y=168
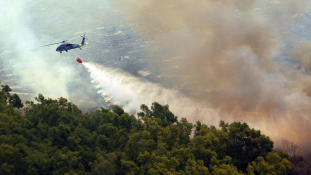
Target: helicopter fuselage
x=68, y=46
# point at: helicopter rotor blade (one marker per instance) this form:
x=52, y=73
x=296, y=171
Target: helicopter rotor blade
x=54, y=43
x=61, y=41
x=73, y=38
x=49, y=44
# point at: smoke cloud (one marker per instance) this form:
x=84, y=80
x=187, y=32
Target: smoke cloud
x=225, y=52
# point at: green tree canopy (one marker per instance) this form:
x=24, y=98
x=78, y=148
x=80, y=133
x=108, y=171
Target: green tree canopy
x=54, y=138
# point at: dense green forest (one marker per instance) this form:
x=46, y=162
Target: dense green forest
x=55, y=137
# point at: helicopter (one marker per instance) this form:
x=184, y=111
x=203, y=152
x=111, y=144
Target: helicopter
x=67, y=46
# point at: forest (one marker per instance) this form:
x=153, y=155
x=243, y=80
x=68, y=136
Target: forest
x=53, y=136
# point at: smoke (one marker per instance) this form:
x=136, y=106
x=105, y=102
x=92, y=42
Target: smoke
x=225, y=52
x=302, y=53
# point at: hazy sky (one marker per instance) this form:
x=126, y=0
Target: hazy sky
x=222, y=59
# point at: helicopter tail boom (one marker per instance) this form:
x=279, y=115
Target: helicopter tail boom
x=83, y=40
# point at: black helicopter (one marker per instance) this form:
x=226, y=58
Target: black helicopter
x=67, y=46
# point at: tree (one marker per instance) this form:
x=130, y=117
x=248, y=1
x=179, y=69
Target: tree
x=291, y=148
x=195, y=167
x=274, y=165
x=40, y=99
x=5, y=93
x=245, y=144
x=6, y=90
x=185, y=129
x=62, y=101
x=158, y=111
x=16, y=101
x=132, y=148
x=128, y=167
x=60, y=139
x=197, y=128
x=281, y=165
x=117, y=109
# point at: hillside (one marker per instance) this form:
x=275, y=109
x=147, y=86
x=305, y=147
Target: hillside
x=55, y=137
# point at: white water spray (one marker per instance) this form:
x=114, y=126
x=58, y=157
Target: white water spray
x=120, y=88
